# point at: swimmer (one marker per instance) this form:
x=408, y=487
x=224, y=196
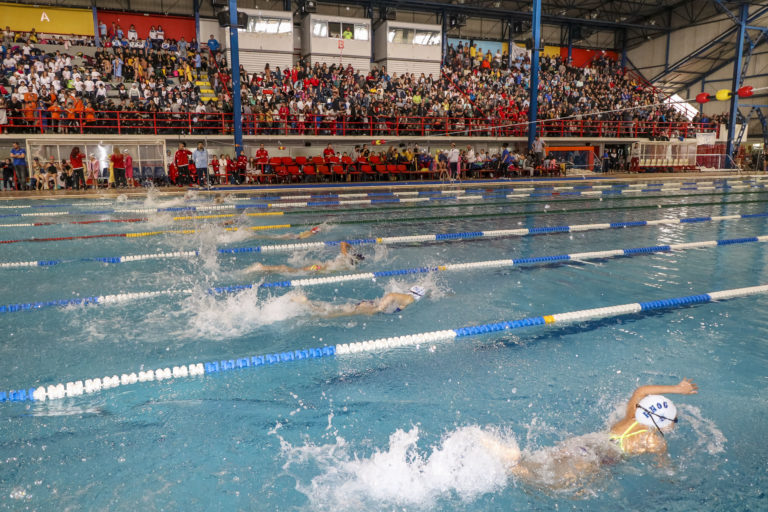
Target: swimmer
x=344, y=261
x=388, y=304
x=573, y=463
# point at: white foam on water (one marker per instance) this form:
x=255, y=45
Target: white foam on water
x=232, y=315
x=459, y=466
x=708, y=436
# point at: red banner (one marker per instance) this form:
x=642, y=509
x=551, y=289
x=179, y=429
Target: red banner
x=173, y=26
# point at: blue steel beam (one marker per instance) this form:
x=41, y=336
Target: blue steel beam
x=743, y=16
x=196, y=7
x=705, y=48
x=234, y=61
x=533, y=109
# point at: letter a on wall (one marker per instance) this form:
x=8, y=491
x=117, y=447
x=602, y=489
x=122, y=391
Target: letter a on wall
x=44, y=17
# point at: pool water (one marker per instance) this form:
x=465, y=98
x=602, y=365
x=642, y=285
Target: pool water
x=397, y=429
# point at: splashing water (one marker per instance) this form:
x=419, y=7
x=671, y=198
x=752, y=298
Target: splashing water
x=238, y=314
x=460, y=465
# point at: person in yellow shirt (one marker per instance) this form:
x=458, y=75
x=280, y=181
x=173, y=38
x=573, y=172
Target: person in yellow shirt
x=347, y=34
x=472, y=51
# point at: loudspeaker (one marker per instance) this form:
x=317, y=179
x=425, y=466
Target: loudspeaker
x=529, y=43
x=388, y=13
x=307, y=144
x=219, y=3
x=308, y=7
x=242, y=19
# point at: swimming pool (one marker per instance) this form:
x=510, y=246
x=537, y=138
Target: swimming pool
x=395, y=428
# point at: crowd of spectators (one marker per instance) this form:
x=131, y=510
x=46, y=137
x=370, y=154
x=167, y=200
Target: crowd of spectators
x=147, y=84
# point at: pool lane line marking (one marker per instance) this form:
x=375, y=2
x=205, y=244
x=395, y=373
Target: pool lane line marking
x=439, y=237
x=491, y=200
x=364, y=276
x=38, y=392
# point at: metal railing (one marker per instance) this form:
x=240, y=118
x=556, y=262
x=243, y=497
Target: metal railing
x=40, y=121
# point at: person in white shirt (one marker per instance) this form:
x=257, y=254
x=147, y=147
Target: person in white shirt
x=453, y=155
x=132, y=34
x=78, y=84
x=160, y=33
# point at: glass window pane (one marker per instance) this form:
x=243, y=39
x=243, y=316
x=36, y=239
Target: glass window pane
x=361, y=32
x=320, y=29
x=286, y=27
x=334, y=29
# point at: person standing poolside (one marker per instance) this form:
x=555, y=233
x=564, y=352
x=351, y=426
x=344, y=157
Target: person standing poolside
x=200, y=158
x=344, y=261
x=78, y=174
x=574, y=462
x=118, y=165
x=453, y=155
x=181, y=159
x=389, y=304
x=19, y=158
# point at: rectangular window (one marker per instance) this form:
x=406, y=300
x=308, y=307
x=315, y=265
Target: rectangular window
x=320, y=29
x=411, y=36
x=259, y=25
x=361, y=32
x=334, y=29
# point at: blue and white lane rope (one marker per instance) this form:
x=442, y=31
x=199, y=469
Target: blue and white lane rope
x=364, y=276
x=93, y=385
x=392, y=240
x=459, y=195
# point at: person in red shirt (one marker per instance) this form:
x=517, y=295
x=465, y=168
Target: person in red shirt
x=118, y=165
x=78, y=174
x=181, y=159
x=231, y=169
x=242, y=166
x=215, y=165
x=262, y=158
x=328, y=152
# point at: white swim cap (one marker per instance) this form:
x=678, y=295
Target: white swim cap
x=656, y=411
x=417, y=292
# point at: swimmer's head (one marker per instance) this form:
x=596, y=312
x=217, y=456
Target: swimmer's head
x=656, y=411
x=417, y=292
x=356, y=258
x=315, y=230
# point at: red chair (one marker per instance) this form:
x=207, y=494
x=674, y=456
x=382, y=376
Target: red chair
x=309, y=171
x=338, y=170
x=294, y=172
x=381, y=170
x=333, y=160
x=324, y=171
x=317, y=160
x=392, y=169
x=301, y=160
x=282, y=172
x=375, y=160
x=367, y=170
x=287, y=161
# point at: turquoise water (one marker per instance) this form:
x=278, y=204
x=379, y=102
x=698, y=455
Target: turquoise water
x=395, y=430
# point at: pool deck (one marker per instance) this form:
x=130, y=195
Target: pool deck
x=378, y=185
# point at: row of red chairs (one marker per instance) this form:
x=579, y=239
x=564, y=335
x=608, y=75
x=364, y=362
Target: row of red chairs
x=287, y=168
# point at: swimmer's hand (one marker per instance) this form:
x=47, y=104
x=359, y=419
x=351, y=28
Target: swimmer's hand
x=687, y=387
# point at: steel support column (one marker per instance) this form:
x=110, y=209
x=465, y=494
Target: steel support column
x=444, y=39
x=623, y=48
x=736, y=83
x=196, y=7
x=533, y=109
x=510, y=41
x=96, y=35
x=234, y=61
x=570, y=42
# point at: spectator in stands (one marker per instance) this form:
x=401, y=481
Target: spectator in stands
x=328, y=152
x=538, y=149
x=132, y=34
x=19, y=157
x=213, y=45
x=452, y=156
x=200, y=159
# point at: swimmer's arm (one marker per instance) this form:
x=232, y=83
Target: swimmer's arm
x=684, y=387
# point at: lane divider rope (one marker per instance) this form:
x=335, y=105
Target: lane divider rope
x=393, y=240
x=364, y=276
x=77, y=388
